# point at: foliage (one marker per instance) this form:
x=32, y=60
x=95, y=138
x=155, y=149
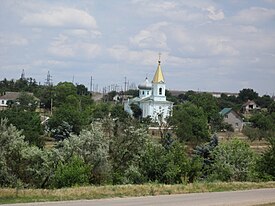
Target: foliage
x=125, y=150
x=75, y=172
x=233, y=161
x=207, y=102
x=190, y=123
x=266, y=163
x=26, y=101
x=247, y=94
x=11, y=145
x=263, y=122
x=62, y=91
x=117, y=111
x=204, y=151
x=137, y=112
x=27, y=121
x=93, y=147
x=71, y=115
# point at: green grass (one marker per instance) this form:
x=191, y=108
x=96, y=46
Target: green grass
x=10, y=195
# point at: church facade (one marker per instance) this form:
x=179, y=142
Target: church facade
x=152, y=100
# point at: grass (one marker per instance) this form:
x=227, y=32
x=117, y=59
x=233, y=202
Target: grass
x=268, y=204
x=11, y=195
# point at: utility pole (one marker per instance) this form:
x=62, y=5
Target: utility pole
x=91, y=84
x=125, y=84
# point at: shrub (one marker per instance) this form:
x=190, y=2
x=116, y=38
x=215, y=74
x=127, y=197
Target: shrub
x=75, y=172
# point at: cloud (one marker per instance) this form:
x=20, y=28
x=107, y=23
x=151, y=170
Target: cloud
x=12, y=39
x=123, y=53
x=221, y=45
x=65, y=47
x=254, y=15
x=214, y=14
x=60, y=17
x=151, y=37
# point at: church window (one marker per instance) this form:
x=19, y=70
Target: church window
x=160, y=91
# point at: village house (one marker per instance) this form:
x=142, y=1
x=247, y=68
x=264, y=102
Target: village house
x=232, y=118
x=249, y=106
x=8, y=98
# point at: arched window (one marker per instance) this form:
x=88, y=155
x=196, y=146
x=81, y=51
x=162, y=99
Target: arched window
x=142, y=92
x=160, y=91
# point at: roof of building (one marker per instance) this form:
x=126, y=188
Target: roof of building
x=10, y=95
x=145, y=85
x=225, y=111
x=13, y=95
x=158, y=78
x=249, y=102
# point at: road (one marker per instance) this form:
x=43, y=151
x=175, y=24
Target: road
x=237, y=198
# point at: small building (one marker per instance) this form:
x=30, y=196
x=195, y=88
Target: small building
x=249, y=106
x=152, y=99
x=232, y=118
x=9, y=98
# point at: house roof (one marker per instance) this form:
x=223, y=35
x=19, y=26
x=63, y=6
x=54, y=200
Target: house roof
x=10, y=95
x=14, y=95
x=225, y=111
x=249, y=102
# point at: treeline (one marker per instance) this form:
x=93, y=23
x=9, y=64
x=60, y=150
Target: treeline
x=111, y=152
x=99, y=143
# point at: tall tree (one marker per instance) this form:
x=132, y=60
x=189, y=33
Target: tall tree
x=247, y=94
x=190, y=123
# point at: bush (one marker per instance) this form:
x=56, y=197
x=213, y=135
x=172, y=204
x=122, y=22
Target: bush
x=75, y=172
x=233, y=161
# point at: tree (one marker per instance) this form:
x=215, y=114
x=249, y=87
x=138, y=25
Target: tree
x=62, y=91
x=190, y=123
x=265, y=101
x=11, y=146
x=207, y=102
x=71, y=115
x=81, y=89
x=75, y=172
x=126, y=149
x=26, y=102
x=233, y=161
x=266, y=163
x=27, y=121
x=93, y=148
x=247, y=94
x=137, y=112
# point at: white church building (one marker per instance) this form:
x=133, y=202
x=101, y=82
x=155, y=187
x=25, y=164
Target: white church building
x=152, y=100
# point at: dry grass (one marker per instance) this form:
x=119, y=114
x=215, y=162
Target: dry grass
x=8, y=195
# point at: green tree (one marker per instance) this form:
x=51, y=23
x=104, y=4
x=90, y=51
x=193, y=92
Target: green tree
x=126, y=149
x=247, y=94
x=71, y=115
x=233, y=161
x=26, y=102
x=27, y=121
x=137, y=112
x=190, y=123
x=207, y=102
x=266, y=163
x=61, y=91
x=91, y=146
x=11, y=145
x=75, y=172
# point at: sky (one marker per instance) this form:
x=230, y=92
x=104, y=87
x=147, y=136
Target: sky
x=205, y=45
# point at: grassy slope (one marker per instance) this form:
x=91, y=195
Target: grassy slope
x=8, y=195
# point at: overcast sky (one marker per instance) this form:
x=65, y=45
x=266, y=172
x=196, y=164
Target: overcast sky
x=206, y=45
